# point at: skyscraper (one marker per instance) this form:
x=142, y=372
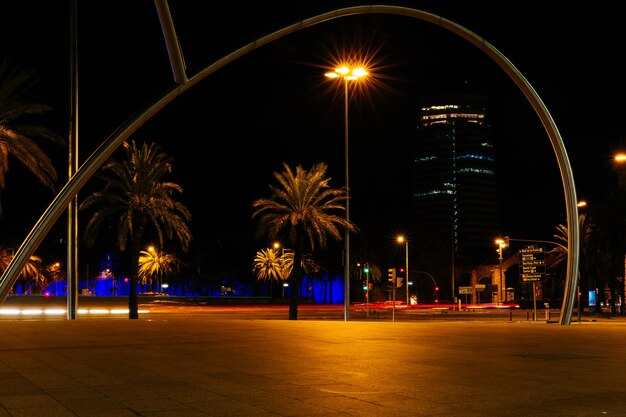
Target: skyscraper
x=454, y=202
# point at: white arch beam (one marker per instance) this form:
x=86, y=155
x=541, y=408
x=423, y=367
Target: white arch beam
x=104, y=151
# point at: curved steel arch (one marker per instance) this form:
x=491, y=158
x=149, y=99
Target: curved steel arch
x=104, y=151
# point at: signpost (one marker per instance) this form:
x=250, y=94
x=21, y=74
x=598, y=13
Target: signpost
x=466, y=291
x=479, y=288
x=532, y=268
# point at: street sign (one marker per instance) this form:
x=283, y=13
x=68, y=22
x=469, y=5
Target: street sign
x=465, y=290
x=480, y=287
x=532, y=264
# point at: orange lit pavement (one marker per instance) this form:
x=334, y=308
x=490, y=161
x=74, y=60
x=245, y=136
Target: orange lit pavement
x=205, y=364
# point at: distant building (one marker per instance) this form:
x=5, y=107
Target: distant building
x=455, y=213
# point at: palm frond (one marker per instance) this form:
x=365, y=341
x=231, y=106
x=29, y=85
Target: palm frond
x=17, y=134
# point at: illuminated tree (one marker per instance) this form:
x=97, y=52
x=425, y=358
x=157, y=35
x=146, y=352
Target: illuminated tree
x=32, y=275
x=136, y=195
x=154, y=265
x=268, y=266
x=272, y=266
x=303, y=205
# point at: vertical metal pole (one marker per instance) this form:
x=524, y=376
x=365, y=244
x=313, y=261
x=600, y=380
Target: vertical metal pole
x=347, y=232
x=534, y=301
x=578, y=298
x=393, y=306
x=500, y=292
x=406, y=268
x=453, y=273
x=367, y=292
x=623, y=289
x=72, y=214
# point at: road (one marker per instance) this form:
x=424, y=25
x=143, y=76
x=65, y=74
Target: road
x=54, y=308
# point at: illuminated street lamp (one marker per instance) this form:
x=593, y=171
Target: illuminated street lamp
x=502, y=243
x=55, y=268
x=620, y=160
x=582, y=204
x=155, y=256
x=158, y=261
x=276, y=246
x=347, y=74
x=401, y=239
x=620, y=157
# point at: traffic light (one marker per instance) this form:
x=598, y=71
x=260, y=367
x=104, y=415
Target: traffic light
x=366, y=270
x=392, y=275
x=399, y=282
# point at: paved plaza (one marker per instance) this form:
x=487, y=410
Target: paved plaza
x=179, y=365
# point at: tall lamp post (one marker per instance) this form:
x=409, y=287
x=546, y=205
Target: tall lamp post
x=156, y=258
x=401, y=239
x=346, y=74
x=366, y=269
x=278, y=245
x=502, y=243
x=620, y=159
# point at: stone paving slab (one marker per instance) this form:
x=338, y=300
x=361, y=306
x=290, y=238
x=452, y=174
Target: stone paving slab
x=179, y=366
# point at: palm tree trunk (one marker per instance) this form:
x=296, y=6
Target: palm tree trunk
x=293, y=297
x=296, y=278
x=133, y=307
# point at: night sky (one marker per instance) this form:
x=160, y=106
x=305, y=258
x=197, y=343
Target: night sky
x=231, y=132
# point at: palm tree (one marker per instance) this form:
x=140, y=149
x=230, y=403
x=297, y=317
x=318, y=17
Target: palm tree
x=53, y=274
x=155, y=265
x=269, y=265
x=594, y=258
x=16, y=135
x=375, y=273
x=32, y=274
x=137, y=196
x=303, y=205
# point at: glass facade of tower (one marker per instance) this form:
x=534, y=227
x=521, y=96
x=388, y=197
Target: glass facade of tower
x=454, y=203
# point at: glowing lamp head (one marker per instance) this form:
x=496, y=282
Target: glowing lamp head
x=347, y=73
x=359, y=72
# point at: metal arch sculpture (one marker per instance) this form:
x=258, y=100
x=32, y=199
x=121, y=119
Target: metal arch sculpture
x=105, y=150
